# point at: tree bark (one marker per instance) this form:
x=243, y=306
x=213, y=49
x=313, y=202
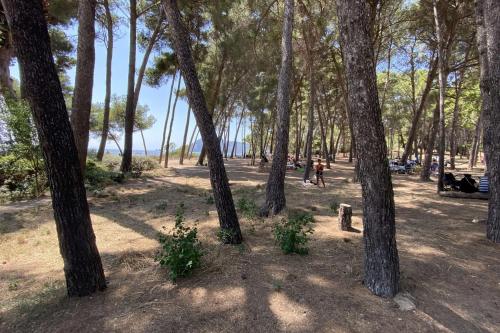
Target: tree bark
x=488, y=35
x=212, y=102
x=84, y=78
x=421, y=107
x=144, y=143
x=228, y=219
x=126, y=165
x=144, y=63
x=442, y=78
x=275, y=189
x=475, y=141
x=454, y=123
x=183, y=148
x=381, y=262
x=167, y=146
x=82, y=263
x=168, y=115
x=107, y=97
x=233, y=149
x=425, y=174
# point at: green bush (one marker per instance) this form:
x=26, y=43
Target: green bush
x=334, y=206
x=181, y=251
x=247, y=207
x=292, y=235
x=21, y=178
x=98, y=176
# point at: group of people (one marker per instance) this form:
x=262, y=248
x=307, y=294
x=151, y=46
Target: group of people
x=467, y=184
x=294, y=164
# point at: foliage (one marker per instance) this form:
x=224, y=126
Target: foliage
x=98, y=176
x=247, y=207
x=292, y=235
x=181, y=251
x=22, y=173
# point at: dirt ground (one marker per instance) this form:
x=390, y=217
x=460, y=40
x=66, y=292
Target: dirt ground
x=448, y=268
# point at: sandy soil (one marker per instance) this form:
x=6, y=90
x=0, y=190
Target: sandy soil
x=449, y=270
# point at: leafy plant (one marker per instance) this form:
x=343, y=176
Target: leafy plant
x=292, y=235
x=98, y=177
x=247, y=207
x=334, y=206
x=181, y=251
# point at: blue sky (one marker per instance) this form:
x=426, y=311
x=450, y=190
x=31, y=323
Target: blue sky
x=155, y=98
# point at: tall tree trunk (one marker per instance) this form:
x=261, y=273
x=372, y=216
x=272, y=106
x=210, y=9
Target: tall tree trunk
x=144, y=63
x=323, y=138
x=431, y=74
x=488, y=35
x=144, y=143
x=126, y=165
x=194, y=143
x=82, y=263
x=167, y=146
x=454, y=123
x=425, y=174
x=475, y=142
x=6, y=82
x=116, y=143
x=212, y=102
x=388, y=76
x=84, y=78
x=381, y=262
x=275, y=190
x=168, y=115
x=228, y=219
x=442, y=78
x=107, y=97
x=233, y=150
x=183, y=148
x=312, y=101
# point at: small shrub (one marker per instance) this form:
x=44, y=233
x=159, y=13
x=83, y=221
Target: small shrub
x=225, y=236
x=334, y=206
x=292, y=235
x=181, y=251
x=98, y=177
x=210, y=200
x=247, y=207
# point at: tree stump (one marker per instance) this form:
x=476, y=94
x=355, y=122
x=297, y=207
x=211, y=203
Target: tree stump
x=345, y=214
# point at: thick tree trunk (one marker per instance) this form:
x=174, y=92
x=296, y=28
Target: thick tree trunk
x=488, y=35
x=183, y=147
x=107, y=96
x=82, y=263
x=168, y=115
x=126, y=165
x=84, y=78
x=167, y=146
x=442, y=78
x=275, y=190
x=381, y=262
x=228, y=219
x=425, y=174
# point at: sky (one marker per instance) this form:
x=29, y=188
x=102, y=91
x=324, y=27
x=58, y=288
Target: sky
x=155, y=98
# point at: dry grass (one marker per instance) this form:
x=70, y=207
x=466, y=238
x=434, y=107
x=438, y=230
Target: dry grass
x=447, y=265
